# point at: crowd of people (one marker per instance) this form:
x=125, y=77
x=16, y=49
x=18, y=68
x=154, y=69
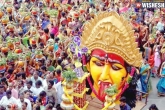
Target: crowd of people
x=35, y=47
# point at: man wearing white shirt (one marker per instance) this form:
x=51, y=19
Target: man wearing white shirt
x=60, y=91
x=35, y=78
x=20, y=87
x=45, y=81
x=30, y=87
x=38, y=88
x=8, y=100
x=22, y=99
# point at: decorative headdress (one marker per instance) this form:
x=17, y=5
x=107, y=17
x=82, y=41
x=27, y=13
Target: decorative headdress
x=113, y=34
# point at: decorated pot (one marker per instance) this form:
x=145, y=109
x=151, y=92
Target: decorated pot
x=34, y=11
x=18, y=51
x=69, y=85
x=69, y=91
x=56, y=5
x=1, y=14
x=69, y=7
x=10, y=27
x=33, y=32
x=109, y=98
x=50, y=48
x=5, y=20
x=39, y=56
x=82, y=11
x=28, y=57
x=76, y=15
x=27, y=18
x=33, y=41
x=20, y=63
x=4, y=49
x=111, y=107
x=10, y=45
x=65, y=99
x=9, y=9
x=66, y=106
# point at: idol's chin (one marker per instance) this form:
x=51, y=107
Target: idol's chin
x=101, y=98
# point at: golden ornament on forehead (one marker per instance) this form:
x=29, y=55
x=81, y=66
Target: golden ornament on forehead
x=112, y=33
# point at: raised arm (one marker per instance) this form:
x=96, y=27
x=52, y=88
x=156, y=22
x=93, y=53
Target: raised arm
x=145, y=45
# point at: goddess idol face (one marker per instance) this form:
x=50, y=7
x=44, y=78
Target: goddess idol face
x=106, y=69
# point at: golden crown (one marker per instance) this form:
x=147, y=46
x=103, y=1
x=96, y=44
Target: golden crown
x=113, y=34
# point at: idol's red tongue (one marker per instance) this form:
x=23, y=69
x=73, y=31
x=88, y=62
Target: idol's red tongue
x=101, y=92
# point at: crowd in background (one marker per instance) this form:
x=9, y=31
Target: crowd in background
x=36, y=84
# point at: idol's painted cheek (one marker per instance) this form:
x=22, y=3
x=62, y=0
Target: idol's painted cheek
x=106, y=74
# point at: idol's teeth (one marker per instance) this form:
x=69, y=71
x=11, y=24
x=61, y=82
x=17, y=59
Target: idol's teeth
x=110, y=85
x=99, y=82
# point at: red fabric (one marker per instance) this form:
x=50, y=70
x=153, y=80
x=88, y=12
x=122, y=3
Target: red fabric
x=27, y=72
x=12, y=77
x=106, y=2
x=58, y=52
x=44, y=38
x=44, y=101
x=64, y=22
x=2, y=67
x=151, y=61
x=135, y=25
x=58, y=78
x=112, y=56
x=47, y=36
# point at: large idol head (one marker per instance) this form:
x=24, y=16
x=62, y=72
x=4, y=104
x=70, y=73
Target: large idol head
x=110, y=39
x=106, y=69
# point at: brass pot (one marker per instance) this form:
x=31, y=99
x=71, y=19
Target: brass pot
x=1, y=14
x=9, y=9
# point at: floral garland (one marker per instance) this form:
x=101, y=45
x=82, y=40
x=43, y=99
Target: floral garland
x=74, y=47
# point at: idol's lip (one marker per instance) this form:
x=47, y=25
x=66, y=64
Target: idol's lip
x=104, y=82
x=103, y=85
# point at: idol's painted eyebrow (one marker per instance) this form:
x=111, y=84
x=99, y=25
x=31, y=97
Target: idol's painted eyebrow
x=104, y=58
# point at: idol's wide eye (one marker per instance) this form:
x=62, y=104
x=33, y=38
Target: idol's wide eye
x=114, y=67
x=98, y=63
